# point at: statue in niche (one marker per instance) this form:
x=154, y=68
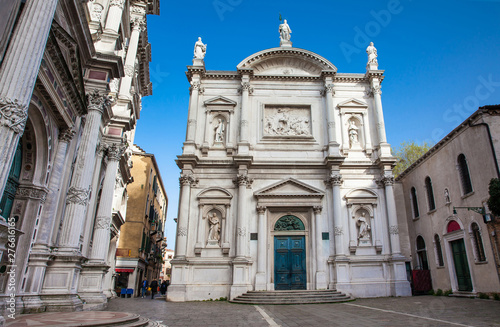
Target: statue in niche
x=353, y=133
x=372, y=54
x=200, y=49
x=214, y=230
x=285, y=31
x=447, y=198
x=364, y=228
x=219, y=131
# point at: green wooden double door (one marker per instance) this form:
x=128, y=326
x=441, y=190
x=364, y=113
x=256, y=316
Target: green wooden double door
x=461, y=265
x=289, y=263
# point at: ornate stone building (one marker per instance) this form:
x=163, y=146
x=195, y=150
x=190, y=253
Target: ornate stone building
x=286, y=180
x=142, y=239
x=443, y=196
x=72, y=76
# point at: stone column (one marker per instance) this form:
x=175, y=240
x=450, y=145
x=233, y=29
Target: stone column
x=385, y=150
x=329, y=92
x=261, y=278
x=114, y=17
x=18, y=76
x=242, y=221
x=195, y=91
x=138, y=24
x=321, y=282
x=186, y=180
x=40, y=252
x=339, y=228
x=246, y=90
x=388, y=181
x=100, y=241
x=79, y=191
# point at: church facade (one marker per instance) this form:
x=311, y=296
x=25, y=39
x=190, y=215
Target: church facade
x=286, y=180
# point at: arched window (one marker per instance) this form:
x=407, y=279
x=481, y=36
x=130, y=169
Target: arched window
x=430, y=193
x=422, y=253
x=478, y=243
x=463, y=170
x=414, y=202
x=439, y=251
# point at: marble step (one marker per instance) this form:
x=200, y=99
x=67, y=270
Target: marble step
x=292, y=297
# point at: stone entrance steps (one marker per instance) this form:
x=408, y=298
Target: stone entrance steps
x=292, y=297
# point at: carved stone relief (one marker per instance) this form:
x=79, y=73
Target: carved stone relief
x=287, y=121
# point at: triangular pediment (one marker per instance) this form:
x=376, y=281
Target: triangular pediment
x=220, y=101
x=352, y=103
x=289, y=188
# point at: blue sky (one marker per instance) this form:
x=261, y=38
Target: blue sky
x=441, y=61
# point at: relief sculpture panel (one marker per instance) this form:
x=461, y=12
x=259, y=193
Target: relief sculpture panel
x=287, y=121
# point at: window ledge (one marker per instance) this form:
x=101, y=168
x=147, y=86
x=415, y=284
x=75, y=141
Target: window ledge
x=481, y=262
x=431, y=211
x=416, y=218
x=467, y=195
x=439, y=267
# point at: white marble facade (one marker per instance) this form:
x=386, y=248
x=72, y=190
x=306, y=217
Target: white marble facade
x=302, y=153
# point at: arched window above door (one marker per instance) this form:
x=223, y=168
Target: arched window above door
x=289, y=222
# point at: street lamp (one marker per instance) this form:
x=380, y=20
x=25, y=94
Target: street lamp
x=480, y=210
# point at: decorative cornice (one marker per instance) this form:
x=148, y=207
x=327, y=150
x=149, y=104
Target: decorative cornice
x=96, y=101
x=13, y=115
x=78, y=196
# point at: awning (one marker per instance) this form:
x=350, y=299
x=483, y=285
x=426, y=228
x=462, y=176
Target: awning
x=129, y=270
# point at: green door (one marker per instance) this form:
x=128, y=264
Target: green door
x=461, y=265
x=289, y=263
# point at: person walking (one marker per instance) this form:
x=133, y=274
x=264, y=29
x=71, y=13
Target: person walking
x=144, y=287
x=163, y=287
x=154, y=288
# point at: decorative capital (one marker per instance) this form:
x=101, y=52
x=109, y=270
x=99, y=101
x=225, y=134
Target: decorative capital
x=376, y=89
x=115, y=151
x=335, y=180
x=78, y=196
x=338, y=230
x=245, y=86
x=196, y=86
x=96, y=101
x=317, y=209
x=243, y=180
x=117, y=3
x=187, y=180
x=328, y=89
x=13, y=115
x=241, y=231
x=387, y=180
x=66, y=135
x=261, y=209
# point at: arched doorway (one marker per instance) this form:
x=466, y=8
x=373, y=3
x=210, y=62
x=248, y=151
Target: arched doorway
x=460, y=262
x=289, y=255
x=12, y=184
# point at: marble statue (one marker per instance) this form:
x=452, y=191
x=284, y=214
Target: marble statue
x=214, y=231
x=447, y=196
x=364, y=228
x=372, y=54
x=200, y=49
x=353, y=133
x=219, y=131
x=285, y=31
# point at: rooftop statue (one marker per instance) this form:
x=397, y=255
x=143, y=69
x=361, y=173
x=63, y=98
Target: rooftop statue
x=200, y=49
x=372, y=56
x=285, y=32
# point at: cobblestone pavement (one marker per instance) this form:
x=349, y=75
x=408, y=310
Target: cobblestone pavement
x=409, y=311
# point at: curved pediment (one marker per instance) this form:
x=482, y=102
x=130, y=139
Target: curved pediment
x=361, y=196
x=287, y=61
x=214, y=193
